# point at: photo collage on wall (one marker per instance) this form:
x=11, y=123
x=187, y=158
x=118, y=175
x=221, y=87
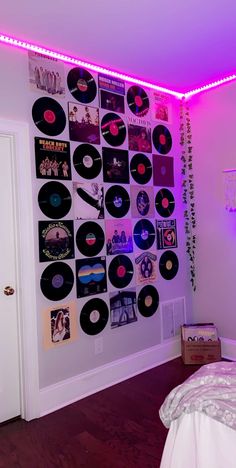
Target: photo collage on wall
x=105, y=171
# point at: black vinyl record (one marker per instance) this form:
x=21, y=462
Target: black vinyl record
x=138, y=101
x=57, y=281
x=148, y=301
x=81, y=85
x=162, y=139
x=94, y=316
x=168, y=265
x=113, y=129
x=144, y=234
x=141, y=168
x=117, y=201
x=90, y=238
x=54, y=200
x=120, y=271
x=165, y=203
x=87, y=161
x=48, y=115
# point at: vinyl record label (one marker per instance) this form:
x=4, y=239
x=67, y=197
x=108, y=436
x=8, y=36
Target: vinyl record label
x=94, y=316
x=148, y=301
x=90, y=239
x=57, y=281
x=82, y=85
x=54, y=200
x=117, y=201
x=87, y=161
x=91, y=276
x=49, y=116
x=120, y=271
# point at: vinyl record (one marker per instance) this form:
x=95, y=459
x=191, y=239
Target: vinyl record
x=117, y=201
x=168, y=265
x=144, y=234
x=141, y=168
x=57, y=281
x=48, y=115
x=113, y=129
x=54, y=200
x=87, y=161
x=138, y=101
x=162, y=139
x=94, y=316
x=120, y=271
x=90, y=238
x=81, y=85
x=165, y=203
x=148, y=301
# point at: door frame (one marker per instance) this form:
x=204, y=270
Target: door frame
x=18, y=133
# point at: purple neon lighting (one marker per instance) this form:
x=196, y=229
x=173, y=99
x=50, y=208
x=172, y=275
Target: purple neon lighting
x=74, y=61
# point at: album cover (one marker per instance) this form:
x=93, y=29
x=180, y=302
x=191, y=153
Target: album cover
x=112, y=101
x=166, y=234
x=56, y=240
x=52, y=159
x=88, y=200
x=59, y=325
x=110, y=83
x=46, y=74
x=146, y=267
x=123, y=308
x=139, y=139
x=142, y=201
x=84, y=123
x=91, y=276
x=161, y=107
x=119, y=236
x=115, y=165
x=163, y=170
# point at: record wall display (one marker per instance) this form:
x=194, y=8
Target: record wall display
x=144, y=234
x=120, y=271
x=81, y=85
x=113, y=129
x=90, y=239
x=54, y=200
x=141, y=168
x=57, y=281
x=49, y=116
x=148, y=301
x=168, y=265
x=117, y=201
x=87, y=161
x=162, y=139
x=165, y=203
x=94, y=316
x=56, y=240
x=138, y=101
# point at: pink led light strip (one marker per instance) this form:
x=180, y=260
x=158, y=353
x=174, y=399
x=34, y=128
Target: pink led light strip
x=74, y=61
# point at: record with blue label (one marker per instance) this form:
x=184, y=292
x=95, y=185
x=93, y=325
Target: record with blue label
x=94, y=316
x=57, y=281
x=144, y=234
x=113, y=129
x=90, y=238
x=91, y=276
x=54, y=200
x=117, y=201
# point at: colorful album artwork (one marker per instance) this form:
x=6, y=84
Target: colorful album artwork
x=91, y=276
x=139, y=138
x=163, y=170
x=84, y=123
x=142, y=201
x=119, y=236
x=123, y=309
x=88, y=200
x=56, y=240
x=166, y=234
x=111, y=84
x=161, y=107
x=52, y=159
x=115, y=165
x=46, y=74
x=59, y=325
x=146, y=267
x=112, y=101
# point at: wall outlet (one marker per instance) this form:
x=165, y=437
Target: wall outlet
x=98, y=345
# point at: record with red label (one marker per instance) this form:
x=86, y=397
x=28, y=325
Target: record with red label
x=90, y=238
x=120, y=271
x=138, y=101
x=54, y=200
x=113, y=129
x=165, y=203
x=141, y=168
x=49, y=116
x=148, y=301
x=57, y=281
x=168, y=265
x=144, y=234
x=94, y=316
x=87, y=161
x=117, y=201
x=82, y=85
x=162, y=139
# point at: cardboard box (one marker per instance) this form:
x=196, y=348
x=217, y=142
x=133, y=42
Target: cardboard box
x=200, y=352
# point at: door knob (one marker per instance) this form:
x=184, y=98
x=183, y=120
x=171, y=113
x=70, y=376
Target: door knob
x=9, y=291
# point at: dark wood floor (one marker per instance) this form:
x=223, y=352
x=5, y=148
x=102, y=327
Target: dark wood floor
x=116, y=428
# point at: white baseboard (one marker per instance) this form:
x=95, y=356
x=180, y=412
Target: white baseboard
x=228, y=349
x=68, y=391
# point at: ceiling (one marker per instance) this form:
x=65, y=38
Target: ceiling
x=179, y=44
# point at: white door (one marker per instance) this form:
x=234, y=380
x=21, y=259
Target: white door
x=9, y=343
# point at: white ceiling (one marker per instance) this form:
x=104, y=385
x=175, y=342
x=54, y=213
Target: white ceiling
x=179, y=44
